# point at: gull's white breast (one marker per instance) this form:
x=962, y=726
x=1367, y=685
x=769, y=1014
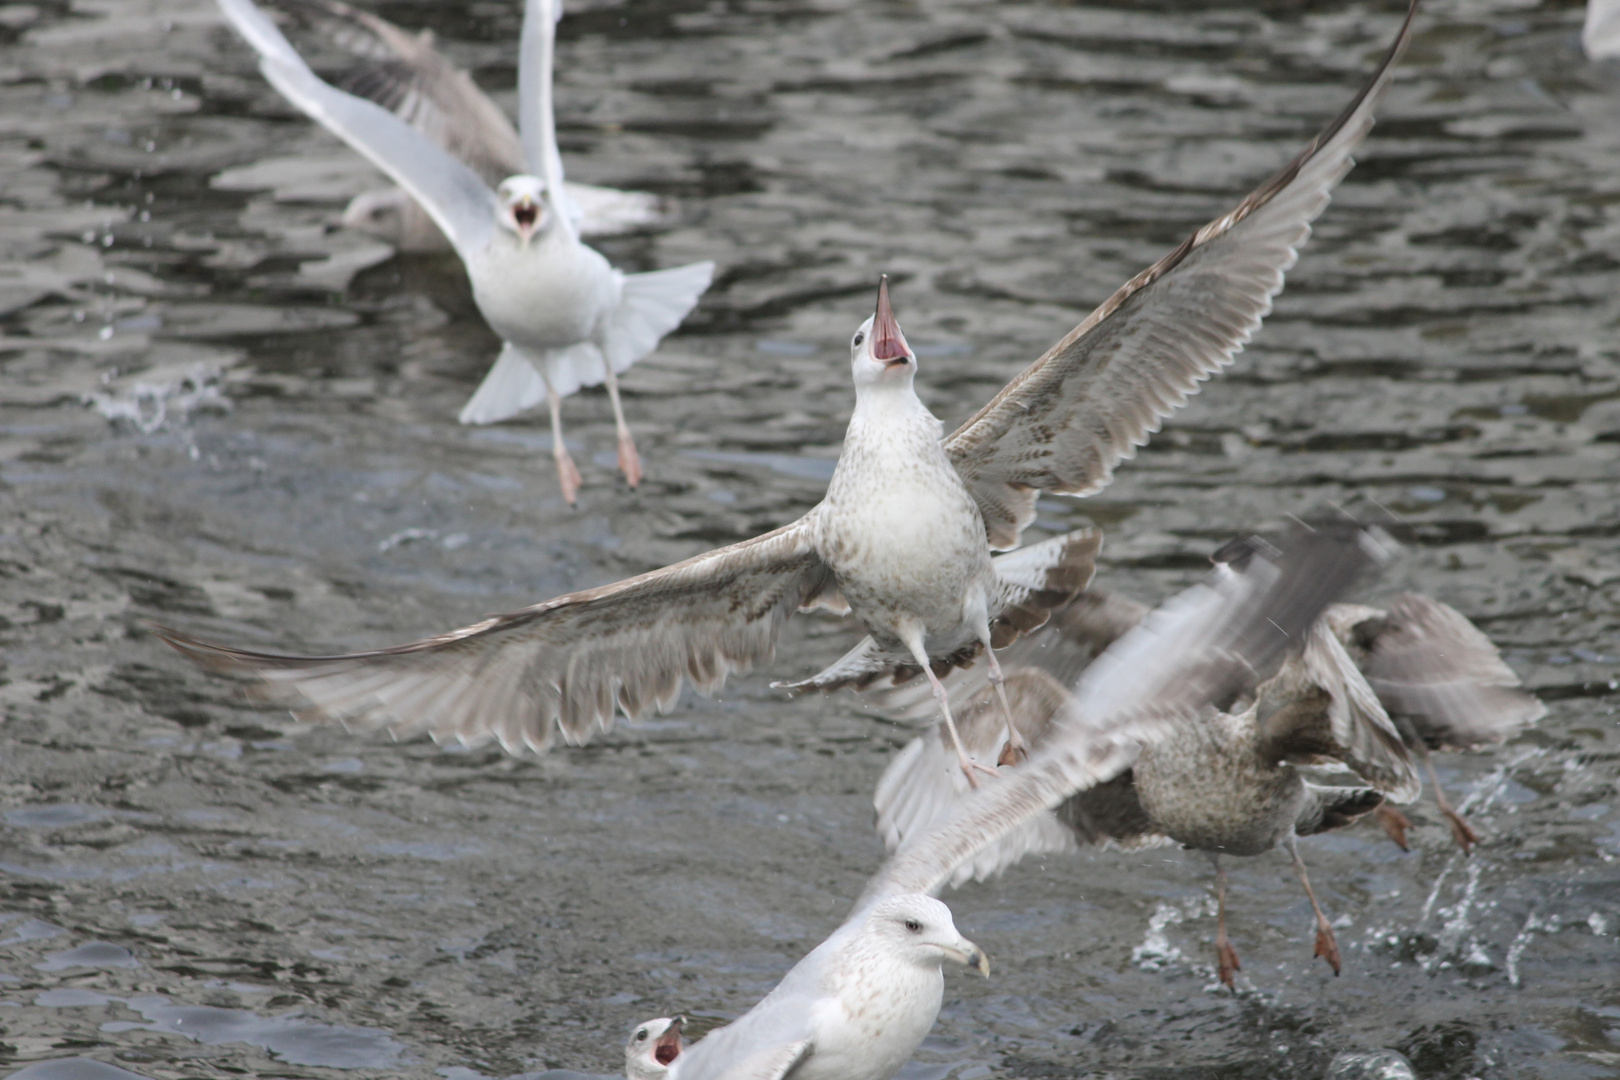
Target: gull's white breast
x=547, y=294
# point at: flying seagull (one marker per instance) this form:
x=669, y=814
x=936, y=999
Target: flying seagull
x=857, y=1006
x=406, y=74
x=904, y=536
x=567, y=318
x=1238, y=781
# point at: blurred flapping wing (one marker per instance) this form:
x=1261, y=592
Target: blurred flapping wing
x=1069, y=418
x=405, y=74
x=1439, y=675
x=1202, y=648
x=459, y=201
x=568, y=663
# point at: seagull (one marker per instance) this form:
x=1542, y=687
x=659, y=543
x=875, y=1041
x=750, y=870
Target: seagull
x=652, y=1047
x=405, y=74
x=1238, y=781
x=905, y=536
x=566, y=317
x=858, y=1005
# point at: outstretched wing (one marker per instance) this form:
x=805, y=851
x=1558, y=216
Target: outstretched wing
x=1436, y=672
x=406, y=75
x=1200, y=649
x=536, y=119
x=1069, y=418
x=568, y=663
x=460, y=203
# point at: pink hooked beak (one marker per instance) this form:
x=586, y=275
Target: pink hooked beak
x=668, y=1046
x=888, y=344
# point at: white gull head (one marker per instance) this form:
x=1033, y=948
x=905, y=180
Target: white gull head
x=878, y=353
x=917, y=929
x=652, y=1046
x=525, y=209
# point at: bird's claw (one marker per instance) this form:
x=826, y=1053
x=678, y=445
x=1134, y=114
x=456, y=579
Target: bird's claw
x=1012, y=755
x=629, y=460
x=1395, y=824
x=1461, y=831
x=568, y=477
x=968, y=765
x=1327, y=947
x=1227, y=963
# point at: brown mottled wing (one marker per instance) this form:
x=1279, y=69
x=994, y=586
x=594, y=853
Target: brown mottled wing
x=1069, y=418
x=406, y=75
x=1438, y=674
x=568, y=663
x=1200, y=649
x=1320, y=706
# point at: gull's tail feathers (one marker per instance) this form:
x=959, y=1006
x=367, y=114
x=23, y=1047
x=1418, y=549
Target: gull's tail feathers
x=651, y=306
x=512, y=385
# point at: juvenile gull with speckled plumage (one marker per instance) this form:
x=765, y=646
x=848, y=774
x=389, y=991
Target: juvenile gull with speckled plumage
x=1238, y=781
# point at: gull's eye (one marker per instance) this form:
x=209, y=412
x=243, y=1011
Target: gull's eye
x=859, y=337
x=641, y=1036
x=914, y=926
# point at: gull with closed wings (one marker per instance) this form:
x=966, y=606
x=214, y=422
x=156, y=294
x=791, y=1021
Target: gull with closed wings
x=905, y=535
x=566, y=317
x=857, y=1006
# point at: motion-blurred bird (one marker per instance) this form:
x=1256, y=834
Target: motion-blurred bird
x=1239, y=781
x=567, y=318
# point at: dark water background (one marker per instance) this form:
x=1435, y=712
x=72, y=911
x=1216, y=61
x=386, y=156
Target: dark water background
x=189, y=891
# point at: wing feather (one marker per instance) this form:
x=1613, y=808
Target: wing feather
x=565, y=665
x=458, y=200
x=1199, y=649
x=1067, y=420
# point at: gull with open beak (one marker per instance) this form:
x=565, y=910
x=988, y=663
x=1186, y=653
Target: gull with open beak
x=566, y=316
x=652, y=1048
x=858, y=1005
x=905, y=536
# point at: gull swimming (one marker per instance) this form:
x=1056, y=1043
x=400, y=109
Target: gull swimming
x=406, y=74
x=1238, y=781
x=905, y=536
x=858, y=1005
x=566, y=317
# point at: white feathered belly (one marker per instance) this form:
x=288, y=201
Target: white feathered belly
x=912, y=549
x=542, y=297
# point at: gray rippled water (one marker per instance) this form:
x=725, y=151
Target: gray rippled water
x=219, y=412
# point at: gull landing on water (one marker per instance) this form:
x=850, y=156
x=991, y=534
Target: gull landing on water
x=567, y=318
x=858, y=1005
x=890, y=542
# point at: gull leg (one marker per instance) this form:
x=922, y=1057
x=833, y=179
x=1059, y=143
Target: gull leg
x=1326, y=946
x=1461, y=831
x=1226, y=956
x=1395, y=824
x=567, y=472
x=629, y=460
x=914, y=642
x=1016, y=749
